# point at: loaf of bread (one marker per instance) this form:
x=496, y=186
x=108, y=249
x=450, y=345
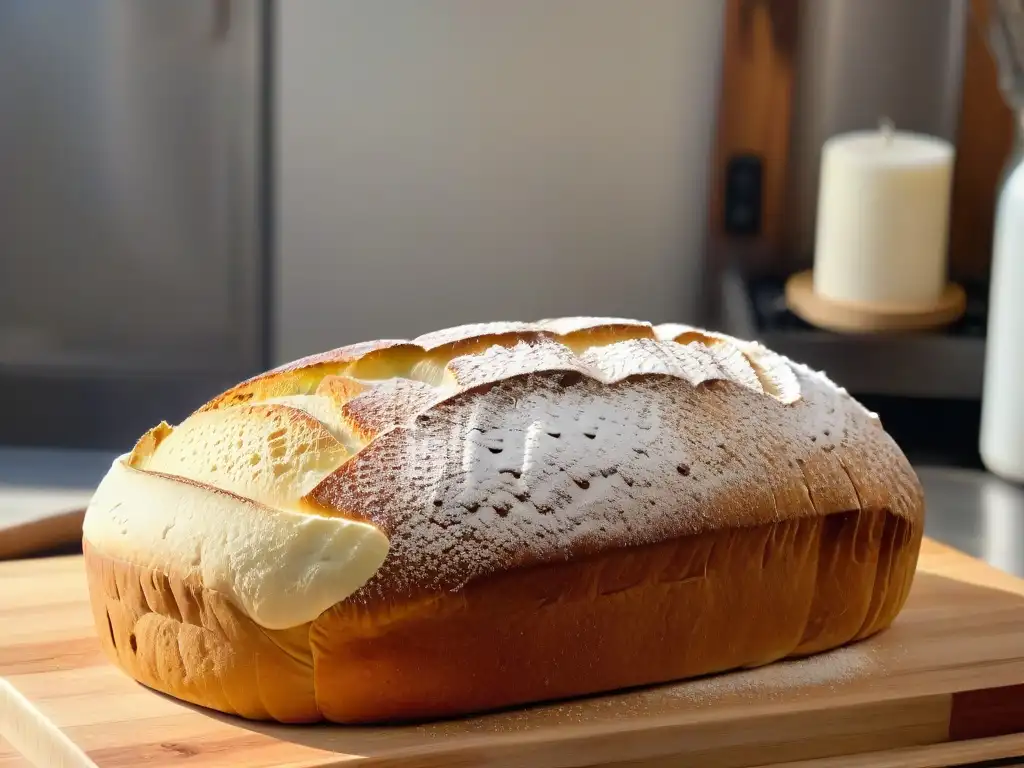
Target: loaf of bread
x=497, y=515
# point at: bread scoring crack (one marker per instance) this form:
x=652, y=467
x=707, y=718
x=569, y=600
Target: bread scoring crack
x=428, y=359
x=359, y=393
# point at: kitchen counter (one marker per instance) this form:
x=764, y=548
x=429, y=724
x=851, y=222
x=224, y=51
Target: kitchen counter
x=36, y=483
x=976, y=513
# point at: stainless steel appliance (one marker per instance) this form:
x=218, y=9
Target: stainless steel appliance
x=432, y=162
x=132, y=258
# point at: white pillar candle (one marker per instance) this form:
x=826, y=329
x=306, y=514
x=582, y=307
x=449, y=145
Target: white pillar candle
x=883, y=218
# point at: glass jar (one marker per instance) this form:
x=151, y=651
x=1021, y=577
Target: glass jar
x=1002, y=407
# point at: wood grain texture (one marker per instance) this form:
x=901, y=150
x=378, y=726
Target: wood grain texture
x=962, y=630
x=984, y=141
x=755, y=104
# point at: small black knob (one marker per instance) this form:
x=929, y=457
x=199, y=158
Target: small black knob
x=744, y=193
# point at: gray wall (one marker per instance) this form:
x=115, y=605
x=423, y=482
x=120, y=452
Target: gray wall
x=450, y=161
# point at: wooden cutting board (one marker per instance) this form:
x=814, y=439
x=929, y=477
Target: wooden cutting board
x=943, y=686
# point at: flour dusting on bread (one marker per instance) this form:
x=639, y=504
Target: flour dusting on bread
x=502, y=514
x=484, y=448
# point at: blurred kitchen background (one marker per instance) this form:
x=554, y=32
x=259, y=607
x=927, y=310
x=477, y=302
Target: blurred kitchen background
x=193, y=191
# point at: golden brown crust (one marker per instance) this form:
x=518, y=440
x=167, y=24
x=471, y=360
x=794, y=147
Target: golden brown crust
x=175, y=636
x=571, y=506
x=632, y=616
x=298, y=377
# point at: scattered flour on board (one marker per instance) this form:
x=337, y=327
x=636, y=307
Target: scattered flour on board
x=782, y=679
x=830, y=669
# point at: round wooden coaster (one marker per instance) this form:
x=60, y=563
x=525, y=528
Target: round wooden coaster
x=865, y=318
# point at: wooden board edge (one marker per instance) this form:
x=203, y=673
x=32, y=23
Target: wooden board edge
x=913, y=722
x=33, y=735
x=987, y=713
x=959, y=753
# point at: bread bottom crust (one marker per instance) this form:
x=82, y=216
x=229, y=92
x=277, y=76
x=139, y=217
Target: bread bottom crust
x=634, y=616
